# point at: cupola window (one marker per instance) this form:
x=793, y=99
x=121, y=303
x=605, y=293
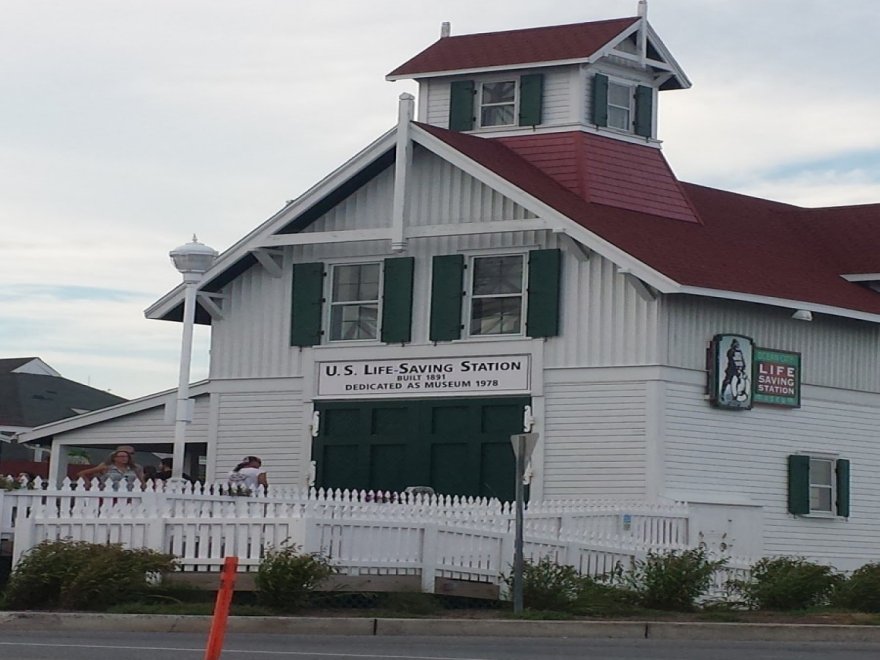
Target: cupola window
x=620, y=106
x=498, y=103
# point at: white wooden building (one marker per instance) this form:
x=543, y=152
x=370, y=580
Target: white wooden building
x=518, y=254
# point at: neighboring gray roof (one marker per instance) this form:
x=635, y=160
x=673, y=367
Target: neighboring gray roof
x=30, y=400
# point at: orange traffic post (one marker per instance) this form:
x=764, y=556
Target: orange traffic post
x=221, y=609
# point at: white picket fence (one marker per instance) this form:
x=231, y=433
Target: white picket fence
x=361, y=533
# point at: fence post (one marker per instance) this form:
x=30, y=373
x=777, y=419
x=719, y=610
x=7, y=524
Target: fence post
x=24, y=535
x=429, y=557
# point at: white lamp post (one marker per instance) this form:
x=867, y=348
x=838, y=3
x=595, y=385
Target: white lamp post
x=192, y=260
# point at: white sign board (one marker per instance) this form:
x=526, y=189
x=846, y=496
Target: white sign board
x=488, y=375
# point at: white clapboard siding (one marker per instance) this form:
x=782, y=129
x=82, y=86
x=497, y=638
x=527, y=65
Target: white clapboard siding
x=556, y=108
x=836, y=352
x=594, y=440
x=141, y=427
x=268, y=424
x=737, y=454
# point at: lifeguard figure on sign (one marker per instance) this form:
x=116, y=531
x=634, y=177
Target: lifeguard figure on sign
x=736, y=383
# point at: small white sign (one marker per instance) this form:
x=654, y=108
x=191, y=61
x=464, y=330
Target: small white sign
x=487, y=375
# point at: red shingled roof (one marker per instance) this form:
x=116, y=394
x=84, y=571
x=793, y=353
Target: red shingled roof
x=743, y=244
x=608, y=171
x=545, y=44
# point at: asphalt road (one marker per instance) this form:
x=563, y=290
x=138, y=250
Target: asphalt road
x=142, y=646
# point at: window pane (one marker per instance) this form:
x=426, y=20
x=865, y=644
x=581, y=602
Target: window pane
x=820, y=499
x=357, y=282
x=618, y=118
x=496, y=316
x=353, y=322
x=820, y=472
x=499, y=92
x=619, y=95
x=497, y=275
x=497, y=115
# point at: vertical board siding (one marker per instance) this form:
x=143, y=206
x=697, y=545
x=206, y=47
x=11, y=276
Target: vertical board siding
x=367, y=208
x=252, y=340
x=736, y=453
x=443, y=194
x=604, y=321
x=835, y=352
x=594, y=443
x=265, y=424
x=555, y=106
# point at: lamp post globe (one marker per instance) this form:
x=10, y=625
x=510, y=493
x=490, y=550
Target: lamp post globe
x=192, y=260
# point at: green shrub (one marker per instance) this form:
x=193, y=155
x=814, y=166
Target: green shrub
x=861, y=591
x=787, y=583
x=286, y=578
x=672, y=580
x=548, y=586
x=80, y=575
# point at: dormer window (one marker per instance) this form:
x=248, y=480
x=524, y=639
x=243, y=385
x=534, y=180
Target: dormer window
x=623, y=106
x=493, y=102
x=498, y=103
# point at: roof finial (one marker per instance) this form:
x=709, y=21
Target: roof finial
x=445, y=29
x=643, y=8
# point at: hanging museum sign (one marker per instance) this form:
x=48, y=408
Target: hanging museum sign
x=730, y=371
x=777, y=377
x=496, y=374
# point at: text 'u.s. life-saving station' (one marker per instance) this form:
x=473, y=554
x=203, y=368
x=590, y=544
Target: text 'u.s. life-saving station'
x=424, y=377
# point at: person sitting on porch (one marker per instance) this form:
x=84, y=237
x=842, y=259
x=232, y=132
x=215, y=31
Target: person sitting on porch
x=165, y=470
x=248, y=474
x=118, y=470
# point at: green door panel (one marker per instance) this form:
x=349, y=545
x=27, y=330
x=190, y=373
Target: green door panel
x=456, y=446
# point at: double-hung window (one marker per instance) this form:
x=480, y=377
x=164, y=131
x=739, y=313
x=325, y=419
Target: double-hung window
x=354, y=302
x=818, y=485
x=498, y=103
x=821, y=484
x=497, y=295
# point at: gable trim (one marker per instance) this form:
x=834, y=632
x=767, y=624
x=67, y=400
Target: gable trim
x=293, y=210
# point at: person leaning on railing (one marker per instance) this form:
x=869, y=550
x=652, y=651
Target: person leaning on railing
x=119, y=472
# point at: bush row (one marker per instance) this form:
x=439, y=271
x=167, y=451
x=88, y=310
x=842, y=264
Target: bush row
x=79, y=575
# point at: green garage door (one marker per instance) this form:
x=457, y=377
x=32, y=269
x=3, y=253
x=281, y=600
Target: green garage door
x=456, y=446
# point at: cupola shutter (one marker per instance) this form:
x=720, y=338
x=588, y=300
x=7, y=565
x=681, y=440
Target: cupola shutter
x=843, y=488
x=446, y=294
x=644, y=110
x=799, y=485
x=305, y=308
x=461, y=105
x=600, y=100
x=531, y=98
x=397, y=300
x=542, y=316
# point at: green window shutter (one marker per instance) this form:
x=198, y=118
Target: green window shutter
x=799, y=485
x=542, y=318
x=843, y=488
x=644, y=110
x=446, y=293
x=600, y=100
x=397, y=300
x=461, y=105
x=531, y=98
x=305, y=309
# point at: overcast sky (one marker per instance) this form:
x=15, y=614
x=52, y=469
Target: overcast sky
x=127, y=125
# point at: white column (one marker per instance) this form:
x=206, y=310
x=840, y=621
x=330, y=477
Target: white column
x=183, y=413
